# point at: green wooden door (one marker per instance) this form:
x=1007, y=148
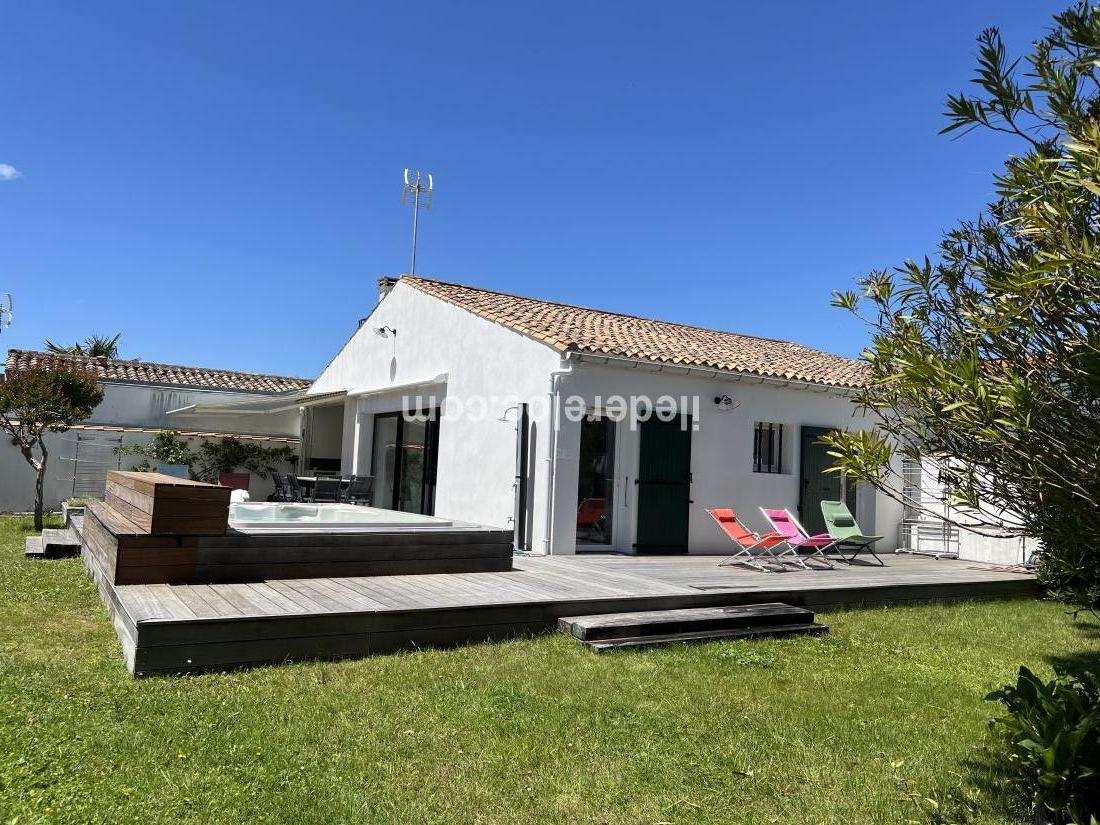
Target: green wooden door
x=817, y=485
x=664, y=486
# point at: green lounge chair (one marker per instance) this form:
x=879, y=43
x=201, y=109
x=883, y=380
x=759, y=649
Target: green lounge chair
x=842, y=526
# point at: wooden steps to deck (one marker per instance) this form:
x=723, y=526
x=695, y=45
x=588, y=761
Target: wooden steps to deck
x=650, y=628
x=53, y=544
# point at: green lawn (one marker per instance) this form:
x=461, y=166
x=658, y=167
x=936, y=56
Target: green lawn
x=838, y=729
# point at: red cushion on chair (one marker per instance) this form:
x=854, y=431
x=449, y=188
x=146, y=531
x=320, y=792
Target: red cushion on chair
x=236, y=481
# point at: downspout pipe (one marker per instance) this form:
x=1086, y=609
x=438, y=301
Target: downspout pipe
x=551, y=456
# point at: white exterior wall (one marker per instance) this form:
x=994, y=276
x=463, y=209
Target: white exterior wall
x=17, y=477
x=486, y=365
x=721, y=453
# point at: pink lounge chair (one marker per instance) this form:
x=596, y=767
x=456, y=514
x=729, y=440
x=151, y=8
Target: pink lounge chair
x=753, y=547
x=785, y=524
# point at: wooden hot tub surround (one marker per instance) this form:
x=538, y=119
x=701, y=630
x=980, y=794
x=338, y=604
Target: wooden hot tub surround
x=142, y=534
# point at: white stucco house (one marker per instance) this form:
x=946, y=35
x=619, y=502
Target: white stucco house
x=139, y=399
x=581, y=429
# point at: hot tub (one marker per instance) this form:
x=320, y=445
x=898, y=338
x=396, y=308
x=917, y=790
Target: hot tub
x=269, y=517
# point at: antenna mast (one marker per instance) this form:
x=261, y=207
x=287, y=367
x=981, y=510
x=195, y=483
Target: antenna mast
x=420, y=193
x=5, y=310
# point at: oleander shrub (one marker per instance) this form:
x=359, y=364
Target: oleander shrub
x=1052, y=730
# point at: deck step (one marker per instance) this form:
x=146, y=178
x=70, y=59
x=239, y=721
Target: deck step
x=608, y=626
x=32, y=547
x=802, y=629
x=57, y=543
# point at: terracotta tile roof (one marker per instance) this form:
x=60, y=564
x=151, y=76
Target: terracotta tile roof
x=146, y=372
x=584, y=330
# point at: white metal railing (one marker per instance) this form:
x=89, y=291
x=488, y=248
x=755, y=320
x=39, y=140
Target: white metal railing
x=927, y=537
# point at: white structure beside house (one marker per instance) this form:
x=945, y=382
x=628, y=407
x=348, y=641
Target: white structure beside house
x=139, y=399
x=929, y=522
x=742, y=416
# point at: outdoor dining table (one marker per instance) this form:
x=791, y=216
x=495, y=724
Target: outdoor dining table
x=309, y=481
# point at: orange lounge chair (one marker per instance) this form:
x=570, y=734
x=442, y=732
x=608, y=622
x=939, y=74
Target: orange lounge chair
x=753, y=547
x=591, y=515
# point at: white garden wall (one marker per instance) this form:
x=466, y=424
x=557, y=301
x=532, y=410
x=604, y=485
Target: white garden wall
x=144, y=406
x=17, y=477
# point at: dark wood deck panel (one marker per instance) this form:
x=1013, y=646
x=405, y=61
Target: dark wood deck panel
x=129, y=555
x=170, y=628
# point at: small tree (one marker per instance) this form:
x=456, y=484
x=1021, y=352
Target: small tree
x=988, y=356
x=99, y=346
x=34, y=402
x=166, y=448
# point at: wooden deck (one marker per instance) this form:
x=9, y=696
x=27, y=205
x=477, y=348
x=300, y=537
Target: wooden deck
x=127, y=553
x=170, y=628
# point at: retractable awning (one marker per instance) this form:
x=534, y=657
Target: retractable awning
x=260, y=406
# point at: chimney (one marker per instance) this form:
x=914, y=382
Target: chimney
x=385, y=284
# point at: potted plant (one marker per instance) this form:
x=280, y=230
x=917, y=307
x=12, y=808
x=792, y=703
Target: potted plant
x=232, y=461
x=167, y=453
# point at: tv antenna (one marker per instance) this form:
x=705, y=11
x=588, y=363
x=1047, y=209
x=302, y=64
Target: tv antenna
x=5, y=310
x=419, y=193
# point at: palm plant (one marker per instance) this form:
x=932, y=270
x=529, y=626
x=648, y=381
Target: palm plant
x=96, y=346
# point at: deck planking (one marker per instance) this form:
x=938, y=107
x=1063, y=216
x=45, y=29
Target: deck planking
x=193, y=627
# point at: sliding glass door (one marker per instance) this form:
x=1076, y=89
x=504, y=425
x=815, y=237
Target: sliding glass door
x=403, y=461
x=596, y=481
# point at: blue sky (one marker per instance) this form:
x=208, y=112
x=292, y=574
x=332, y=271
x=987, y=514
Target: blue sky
x=220, y=182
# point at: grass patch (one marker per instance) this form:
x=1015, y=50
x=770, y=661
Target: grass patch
x=865, y=725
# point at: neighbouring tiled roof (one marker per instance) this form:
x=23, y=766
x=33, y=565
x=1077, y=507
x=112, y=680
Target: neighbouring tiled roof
x=584, y=330
x=146, y=372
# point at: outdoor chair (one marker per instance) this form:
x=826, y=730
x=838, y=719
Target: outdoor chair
x=359, y=490
x=282, y=492
x=592, y=516
x=842, y=526
x=293, y=488
x=784, y=523
x=326, y=490
x=753, y=549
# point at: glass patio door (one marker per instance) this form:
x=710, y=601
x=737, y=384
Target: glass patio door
x=596, y=484
x=384, y=460
x=403, y=461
